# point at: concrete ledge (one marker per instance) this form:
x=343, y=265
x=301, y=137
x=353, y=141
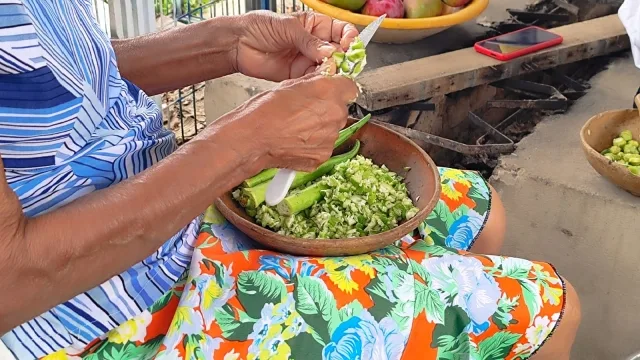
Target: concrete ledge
x=560, y=210
x=226, y=93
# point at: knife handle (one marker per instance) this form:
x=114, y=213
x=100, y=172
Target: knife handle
x=279, y=186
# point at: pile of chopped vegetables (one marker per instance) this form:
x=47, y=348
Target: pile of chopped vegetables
x=358, y=198
x=625, y=151
x=347, y=196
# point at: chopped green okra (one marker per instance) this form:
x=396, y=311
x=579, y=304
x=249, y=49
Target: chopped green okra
x=358, y=199
x=625, y=150
x=619, y=142
x=351, y=62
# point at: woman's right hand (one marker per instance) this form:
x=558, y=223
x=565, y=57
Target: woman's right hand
x=295, y=125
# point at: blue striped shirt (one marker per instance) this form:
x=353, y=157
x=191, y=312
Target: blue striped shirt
x=70, y=125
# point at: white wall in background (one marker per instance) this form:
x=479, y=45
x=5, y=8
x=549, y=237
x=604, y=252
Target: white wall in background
x=101, y=12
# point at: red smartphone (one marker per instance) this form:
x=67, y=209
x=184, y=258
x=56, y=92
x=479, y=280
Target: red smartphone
x=518, y=43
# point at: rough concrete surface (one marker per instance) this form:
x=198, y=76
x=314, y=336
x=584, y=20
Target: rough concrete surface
x=226, y=93
x=561, y=211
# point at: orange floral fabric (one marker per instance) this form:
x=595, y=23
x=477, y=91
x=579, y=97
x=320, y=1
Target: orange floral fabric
x=424, y=297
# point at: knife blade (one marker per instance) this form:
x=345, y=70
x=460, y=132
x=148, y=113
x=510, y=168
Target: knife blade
x=279, y=186
x=367, y=33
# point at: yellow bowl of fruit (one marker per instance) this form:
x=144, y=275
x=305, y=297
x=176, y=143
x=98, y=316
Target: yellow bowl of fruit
x=407, y=20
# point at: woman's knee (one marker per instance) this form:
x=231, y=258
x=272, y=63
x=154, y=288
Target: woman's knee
x=559, y=345
x=572, y=312
x=491, y=238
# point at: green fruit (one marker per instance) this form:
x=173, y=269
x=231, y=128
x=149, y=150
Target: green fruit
x=357, y=45
x=610, y=156
x=620, y=142
x=626, y=157
x=356, y=55
x=634, y=161
x=626, y=135
x=358, y=67
x=345, y=66
x=615, y=149
x=621, y=162
x=635, y=170
x=416, y=9
x=456, y=3
x=353, y=5
x=605, y=151
x=634, y=143
x=630, y=149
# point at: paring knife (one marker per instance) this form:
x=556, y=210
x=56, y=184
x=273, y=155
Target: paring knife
x=279, y=186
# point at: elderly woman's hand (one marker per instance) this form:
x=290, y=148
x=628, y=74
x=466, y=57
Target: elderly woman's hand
x=279, y=47
x=293, y=125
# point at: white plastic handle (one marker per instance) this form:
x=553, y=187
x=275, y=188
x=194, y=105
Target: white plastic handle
x=279, y=186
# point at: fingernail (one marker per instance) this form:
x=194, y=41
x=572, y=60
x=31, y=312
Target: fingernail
x=326, y=49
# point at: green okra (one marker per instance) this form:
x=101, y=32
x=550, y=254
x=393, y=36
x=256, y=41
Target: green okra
x=343, y=136
x=254, y=196
x=303, y=200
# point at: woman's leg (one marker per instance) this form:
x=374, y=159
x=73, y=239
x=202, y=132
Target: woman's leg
x=490, y=240
x=421, y=302
x=491, y=237
x=469, y=216
x=558, y=347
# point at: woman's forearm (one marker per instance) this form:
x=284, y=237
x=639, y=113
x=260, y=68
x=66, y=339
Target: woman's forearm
x=48, y=259
x=176, y=58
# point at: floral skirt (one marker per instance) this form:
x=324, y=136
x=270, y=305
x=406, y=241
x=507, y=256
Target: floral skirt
x=424, y=297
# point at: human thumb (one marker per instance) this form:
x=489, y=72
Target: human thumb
x=312, y=47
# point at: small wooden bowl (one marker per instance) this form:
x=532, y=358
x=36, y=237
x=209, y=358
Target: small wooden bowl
x=597, y=135
x=383, y=146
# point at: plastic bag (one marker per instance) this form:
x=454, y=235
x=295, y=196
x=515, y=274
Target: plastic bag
x=629, y=14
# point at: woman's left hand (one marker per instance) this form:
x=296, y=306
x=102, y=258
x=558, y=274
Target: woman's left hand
x=279, y=47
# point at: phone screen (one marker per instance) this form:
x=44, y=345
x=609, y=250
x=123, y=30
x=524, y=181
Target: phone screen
x=516, y=41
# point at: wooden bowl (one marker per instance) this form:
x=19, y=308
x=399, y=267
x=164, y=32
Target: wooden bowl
x=401, y=31
x=383, y=146
x=597, y=135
